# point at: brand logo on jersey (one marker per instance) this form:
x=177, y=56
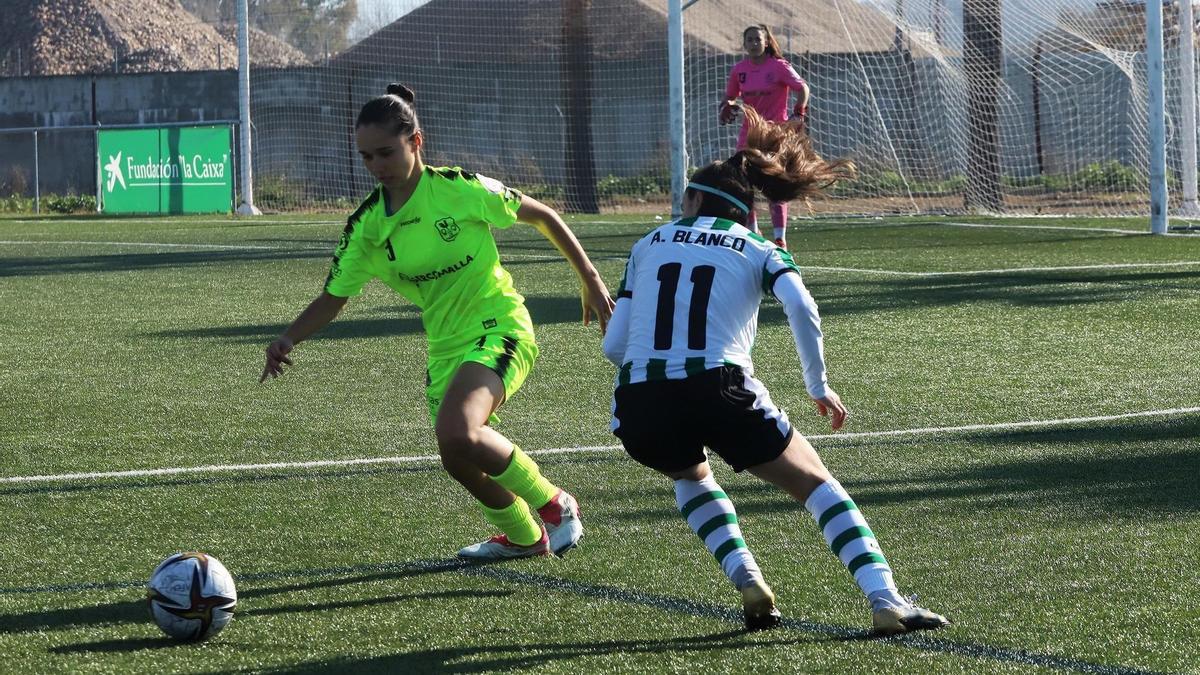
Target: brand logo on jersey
x=447, y=228
x=489, y=323
x=703, y=238
x=410, y=221
x=742, y=78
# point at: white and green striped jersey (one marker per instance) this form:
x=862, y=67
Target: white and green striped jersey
x=689, y=302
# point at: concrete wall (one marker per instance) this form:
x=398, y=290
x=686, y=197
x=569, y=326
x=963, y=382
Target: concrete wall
x=66, y=159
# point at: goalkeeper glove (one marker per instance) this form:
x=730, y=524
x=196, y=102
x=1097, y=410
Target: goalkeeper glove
x=729, y=112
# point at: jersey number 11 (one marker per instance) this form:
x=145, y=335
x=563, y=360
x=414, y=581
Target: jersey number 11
x=664, y=323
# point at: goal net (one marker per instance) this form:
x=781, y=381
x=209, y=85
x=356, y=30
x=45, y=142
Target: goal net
x=946, y=106
x=1022, y=107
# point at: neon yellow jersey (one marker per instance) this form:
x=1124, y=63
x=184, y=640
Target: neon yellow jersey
x=438, y=251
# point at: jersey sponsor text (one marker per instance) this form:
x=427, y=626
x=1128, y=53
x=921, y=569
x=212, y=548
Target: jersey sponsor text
x=437, y=274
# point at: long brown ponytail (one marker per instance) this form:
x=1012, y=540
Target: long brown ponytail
x=778, y=160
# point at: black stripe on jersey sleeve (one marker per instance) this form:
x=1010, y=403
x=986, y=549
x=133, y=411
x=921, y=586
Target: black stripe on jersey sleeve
x=347, y=232
x=450, y=172
x=624, y=294
x=368, y=204
x=775, y=277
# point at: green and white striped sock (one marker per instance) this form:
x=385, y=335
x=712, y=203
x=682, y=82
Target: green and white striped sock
x=711, y=516
x=851, y=540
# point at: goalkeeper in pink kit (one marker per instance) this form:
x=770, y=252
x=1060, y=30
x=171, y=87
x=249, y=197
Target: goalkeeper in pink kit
x=764, y=81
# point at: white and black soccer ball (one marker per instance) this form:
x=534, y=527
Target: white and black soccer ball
x=191, y=596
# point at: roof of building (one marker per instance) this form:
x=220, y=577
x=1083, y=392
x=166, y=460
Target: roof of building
x=468, y=30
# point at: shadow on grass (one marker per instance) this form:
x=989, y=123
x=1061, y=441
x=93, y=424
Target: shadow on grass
x=136, y=611
x=120, y=646
x=544, y=310
x=508, y=657
x=519, y=657
x=1111, y=468
x=1141, y=468
x=127, y=262
x=137, y=644
x=340, y=329
x=1033, y=289
x=129, y=611
x=471, y=594
x=175, y=255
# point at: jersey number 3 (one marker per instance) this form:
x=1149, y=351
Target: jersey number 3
x=664, y=322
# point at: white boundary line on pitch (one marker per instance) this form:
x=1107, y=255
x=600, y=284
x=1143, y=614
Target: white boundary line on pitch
x=155, y=244
x=1009, y=270
x=1110, y=230
x=226, y=468
x=253, y=247
x=549, y=257
x=160, y=221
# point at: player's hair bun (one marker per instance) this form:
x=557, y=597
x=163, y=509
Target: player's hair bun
x=397, y=89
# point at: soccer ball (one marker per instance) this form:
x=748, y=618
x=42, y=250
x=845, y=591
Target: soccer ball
x=191, y=596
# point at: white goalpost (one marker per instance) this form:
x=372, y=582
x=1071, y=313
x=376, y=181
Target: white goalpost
x=1187, y=94
x=245, y=156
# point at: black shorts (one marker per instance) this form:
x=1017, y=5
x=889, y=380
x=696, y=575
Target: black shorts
x=665, y=424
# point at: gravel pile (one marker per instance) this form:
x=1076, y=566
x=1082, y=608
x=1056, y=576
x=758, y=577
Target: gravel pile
x=63, y=37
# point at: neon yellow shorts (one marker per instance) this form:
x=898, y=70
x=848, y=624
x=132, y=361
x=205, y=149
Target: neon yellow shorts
x=509, y=356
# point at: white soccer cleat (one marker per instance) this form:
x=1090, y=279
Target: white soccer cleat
x=561, y=516
x=895, y=620
x=758, y=607
x=500, y=548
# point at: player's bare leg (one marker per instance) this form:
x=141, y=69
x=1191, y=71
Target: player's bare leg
x=800, y=471
x=506, y=481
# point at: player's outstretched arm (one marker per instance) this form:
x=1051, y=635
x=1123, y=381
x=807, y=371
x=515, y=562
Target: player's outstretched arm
x=316, y=316
x=805, y=323
x=595, y=298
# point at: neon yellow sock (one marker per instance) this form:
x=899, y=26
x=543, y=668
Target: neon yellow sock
x=523, y=479
x=516, y=521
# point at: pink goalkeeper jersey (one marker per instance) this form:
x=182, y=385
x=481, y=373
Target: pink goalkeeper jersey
x=763, y=87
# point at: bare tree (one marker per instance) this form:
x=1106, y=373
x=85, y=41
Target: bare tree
x=312, y=26
x=372, y=16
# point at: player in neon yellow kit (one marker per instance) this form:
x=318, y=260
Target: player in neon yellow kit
x=426, y=233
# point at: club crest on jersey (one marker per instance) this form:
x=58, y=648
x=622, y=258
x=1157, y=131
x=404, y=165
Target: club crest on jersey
x=447, y=228
x=742, y=78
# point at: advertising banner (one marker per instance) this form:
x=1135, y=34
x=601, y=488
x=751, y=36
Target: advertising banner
x=168, y=170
